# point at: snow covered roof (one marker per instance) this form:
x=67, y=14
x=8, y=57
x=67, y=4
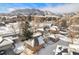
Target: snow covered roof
x=11, y=38
x=3, y=30
x=37, y=34
x=64, y=38
x=6, y=42
x=52, y=36
x=40, y=29
x=6, y=31
x=74, y=47
x=1, y=39
x=54, y=28
x=30, y=42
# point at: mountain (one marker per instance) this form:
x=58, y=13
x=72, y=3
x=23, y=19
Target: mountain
x=33, y=11
x=27, y=12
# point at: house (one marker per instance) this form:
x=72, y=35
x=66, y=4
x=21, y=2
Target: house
x=53, y=38
x=40, y=30
x=5, y=43
x=2, y=24
x=74, y=49
x=54, y=29
x=11, y=37
x=35, y=44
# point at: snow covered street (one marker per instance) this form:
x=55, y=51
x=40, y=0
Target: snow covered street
x=50, y=48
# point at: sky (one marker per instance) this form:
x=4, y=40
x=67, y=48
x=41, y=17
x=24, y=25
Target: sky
x=53, y=7
x=6, y=7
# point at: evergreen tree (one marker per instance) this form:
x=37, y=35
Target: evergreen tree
x=27, y=34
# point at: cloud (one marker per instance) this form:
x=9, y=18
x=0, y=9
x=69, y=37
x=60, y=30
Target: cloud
x=11, y=9
x=16, y=8
x=22, y=7
x=66, y=8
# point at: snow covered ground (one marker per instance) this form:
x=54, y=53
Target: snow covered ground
x=50, y=48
